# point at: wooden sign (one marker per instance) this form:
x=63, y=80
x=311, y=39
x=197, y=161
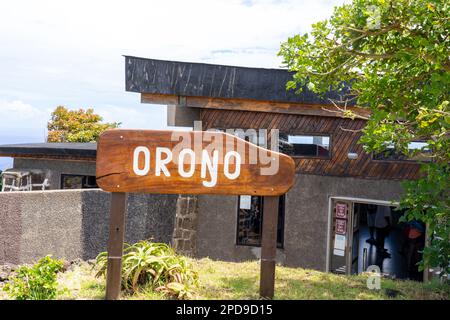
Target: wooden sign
x=193, y=162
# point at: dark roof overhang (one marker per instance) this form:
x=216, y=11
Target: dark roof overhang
x=215, y=81
x=66, y=151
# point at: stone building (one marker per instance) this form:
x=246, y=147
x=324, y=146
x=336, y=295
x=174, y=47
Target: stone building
x=324, y=220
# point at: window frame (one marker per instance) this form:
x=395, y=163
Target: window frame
x=84, y=180
x=320, y=134
x=281, y=204
x=408, y=160
x=292, y=133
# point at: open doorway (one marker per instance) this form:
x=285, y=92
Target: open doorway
x=367, y=233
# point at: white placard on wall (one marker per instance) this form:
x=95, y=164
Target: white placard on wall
x=245, y=202
x=339, y=242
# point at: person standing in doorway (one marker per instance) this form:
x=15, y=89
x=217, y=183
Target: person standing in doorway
x=382, y=225
x=416, y=243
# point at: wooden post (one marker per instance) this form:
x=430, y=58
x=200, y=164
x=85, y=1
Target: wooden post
x=115, y=244
x=268, y=247
x=124, y=156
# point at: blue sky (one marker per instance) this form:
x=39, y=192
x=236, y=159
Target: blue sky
x=71, y=52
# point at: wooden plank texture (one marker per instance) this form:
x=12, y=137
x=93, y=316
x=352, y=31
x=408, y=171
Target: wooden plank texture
x=115, y=244
x=215, y=81
x=269, y=247
x=117, y=170
x=324, y=110
x=344, y=134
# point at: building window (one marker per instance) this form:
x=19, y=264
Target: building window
x=296, y=145
x=255, y=136
x=72, y=181
x=249, y=221
x=418, y=149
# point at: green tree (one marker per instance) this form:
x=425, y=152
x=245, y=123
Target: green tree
x=76, y=125
x=395, y=56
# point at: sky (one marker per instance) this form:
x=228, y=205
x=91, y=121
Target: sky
x=71, y=52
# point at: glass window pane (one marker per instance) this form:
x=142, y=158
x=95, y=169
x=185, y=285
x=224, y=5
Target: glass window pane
x=69, y=181
x=417, y=145
x=72, y=182
x=417, y=148
x=90, y=182
x=250, y=213
x=305, y=145
x=250, y=221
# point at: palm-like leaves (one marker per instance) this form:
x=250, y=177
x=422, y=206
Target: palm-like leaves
x=156, y=265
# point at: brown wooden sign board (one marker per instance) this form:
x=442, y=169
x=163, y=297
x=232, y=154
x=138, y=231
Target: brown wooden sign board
x=191, y=162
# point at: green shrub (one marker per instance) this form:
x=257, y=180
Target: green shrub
x=154, y=265
x=37, y=282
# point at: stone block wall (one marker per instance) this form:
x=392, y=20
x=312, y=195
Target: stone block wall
x=185, y=231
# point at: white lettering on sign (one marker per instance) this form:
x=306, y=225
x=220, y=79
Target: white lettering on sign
x=212, y=168
x=161, y=163
x=209, y=166
x=226, y=165
x=137, y=152
x=181, y=162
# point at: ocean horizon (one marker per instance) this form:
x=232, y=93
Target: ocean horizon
x=25, y=136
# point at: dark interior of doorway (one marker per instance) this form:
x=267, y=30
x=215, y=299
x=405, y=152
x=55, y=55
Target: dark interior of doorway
x=403, y=251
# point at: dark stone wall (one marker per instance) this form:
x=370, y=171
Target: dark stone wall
x=306, y=219
x=184, y=238
x=73, y=224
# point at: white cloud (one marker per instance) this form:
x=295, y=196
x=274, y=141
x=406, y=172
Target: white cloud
x=141, y=117
x=18, y=114
x=70, y=52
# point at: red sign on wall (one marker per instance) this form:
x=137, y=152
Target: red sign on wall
x=341, y=210
x=341, y=226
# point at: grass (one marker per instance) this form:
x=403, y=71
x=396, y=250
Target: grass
x=228, y=280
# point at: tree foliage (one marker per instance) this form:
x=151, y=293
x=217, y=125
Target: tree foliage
x=395, y=57
x=76, y=125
